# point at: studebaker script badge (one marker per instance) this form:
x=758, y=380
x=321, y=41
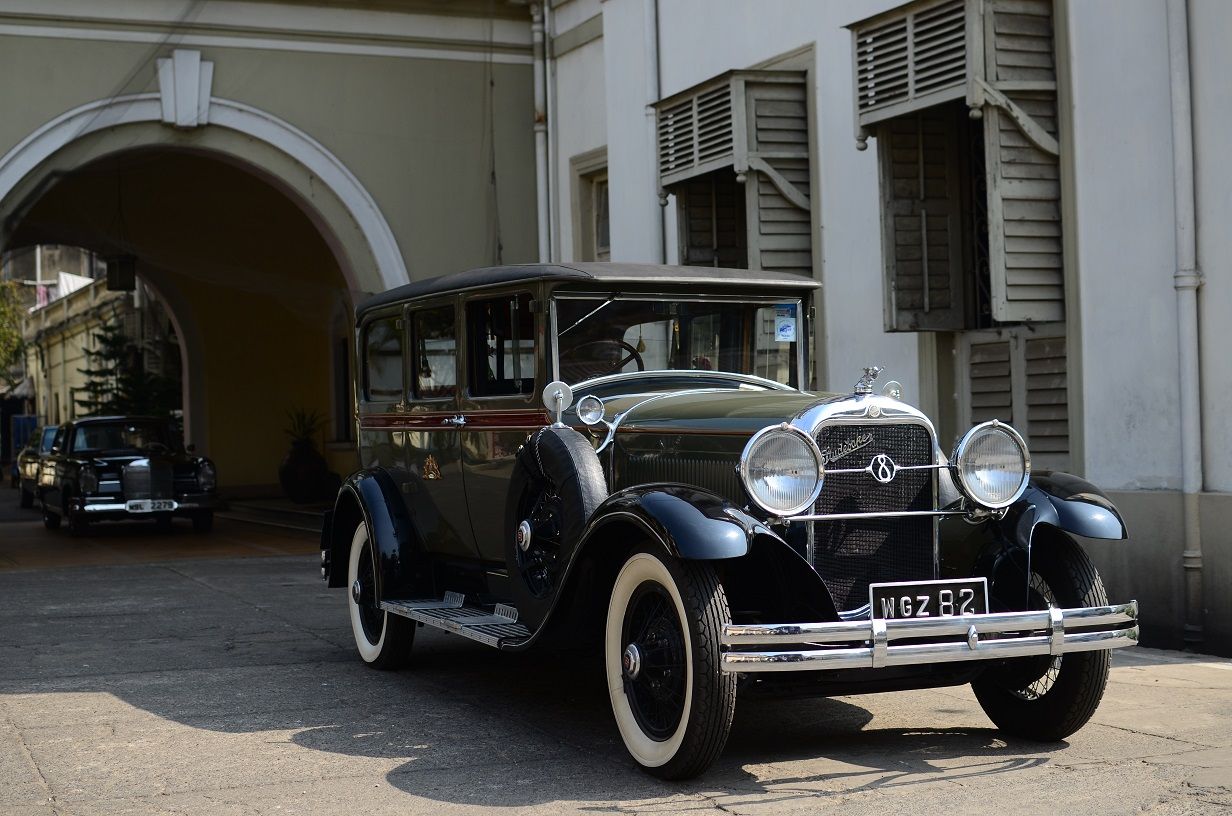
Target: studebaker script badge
x=845, y=449
x=431, y=470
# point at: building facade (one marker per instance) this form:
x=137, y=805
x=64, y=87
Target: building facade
x=1008, y=210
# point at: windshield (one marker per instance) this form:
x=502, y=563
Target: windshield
x=121, y=437
x=600, y=335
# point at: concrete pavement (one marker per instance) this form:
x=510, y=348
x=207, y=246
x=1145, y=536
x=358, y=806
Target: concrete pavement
x=201, y=674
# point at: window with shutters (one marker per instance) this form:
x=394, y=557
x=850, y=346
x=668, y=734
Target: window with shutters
x=960, y=97
x=734, y=152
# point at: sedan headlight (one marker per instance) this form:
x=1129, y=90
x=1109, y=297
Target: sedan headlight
x=207, y=476
x=992, y=465
x=782, y=470
x=87, y=480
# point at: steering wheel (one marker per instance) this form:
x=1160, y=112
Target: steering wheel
x=610, y=368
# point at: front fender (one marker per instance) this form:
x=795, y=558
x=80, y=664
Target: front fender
x=689, y=522
x=1068, y=503
x=372, y=495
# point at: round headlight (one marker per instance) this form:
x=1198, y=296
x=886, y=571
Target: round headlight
x=992, y=465
x=589, y=410
x=782, y=470
x=207, y=476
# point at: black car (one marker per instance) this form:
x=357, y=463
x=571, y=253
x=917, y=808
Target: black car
x=29, y=459
x=699, y=514
x=115, y=468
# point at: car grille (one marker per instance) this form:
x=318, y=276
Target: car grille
x=851, y=554
x=144, y=479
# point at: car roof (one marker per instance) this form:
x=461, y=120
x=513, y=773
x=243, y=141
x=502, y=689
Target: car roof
x=582, y=272
x=117, y=418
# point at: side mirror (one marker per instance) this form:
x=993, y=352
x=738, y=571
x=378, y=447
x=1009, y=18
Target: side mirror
x=55, y=450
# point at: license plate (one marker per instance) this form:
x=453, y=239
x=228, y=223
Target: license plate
x=929, y=599
x=150, y=505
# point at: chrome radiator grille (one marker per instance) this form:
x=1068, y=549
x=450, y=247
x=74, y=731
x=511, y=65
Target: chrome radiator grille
x=853, y=553
x=144, y=479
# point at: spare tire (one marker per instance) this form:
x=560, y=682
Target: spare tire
x=556, y=486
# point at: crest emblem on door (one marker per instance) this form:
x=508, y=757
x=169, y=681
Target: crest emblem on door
x=431, y=470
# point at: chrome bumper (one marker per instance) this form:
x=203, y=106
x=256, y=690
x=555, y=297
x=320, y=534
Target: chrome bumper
x=868, y=644
x=194, y=502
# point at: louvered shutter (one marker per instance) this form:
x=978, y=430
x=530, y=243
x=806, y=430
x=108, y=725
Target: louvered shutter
x=755, y=125
x=1018, y=375
x=778, y=210
x=921, y=221
x=1023, y=176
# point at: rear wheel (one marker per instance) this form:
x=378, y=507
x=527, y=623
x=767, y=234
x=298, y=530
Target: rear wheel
x=672, y=703
x=1052, y=696
x=383, y=640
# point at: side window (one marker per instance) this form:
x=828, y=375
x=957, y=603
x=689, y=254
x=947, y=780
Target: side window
x=383, y=359
x=61, y=439
x=49, y=439
x=435, y=372
x=502, y=346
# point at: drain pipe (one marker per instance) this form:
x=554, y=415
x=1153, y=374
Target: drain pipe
x=1186, y=281
x=654, y=92
x=541, y=131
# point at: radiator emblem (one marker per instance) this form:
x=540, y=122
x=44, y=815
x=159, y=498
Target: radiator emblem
x=846, y=448
x=882, y=468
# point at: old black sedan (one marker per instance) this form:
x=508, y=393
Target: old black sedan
x=689, y=505
x=114, y=468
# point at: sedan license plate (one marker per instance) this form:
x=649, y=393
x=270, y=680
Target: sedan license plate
x=150, y=505
x=929, y=599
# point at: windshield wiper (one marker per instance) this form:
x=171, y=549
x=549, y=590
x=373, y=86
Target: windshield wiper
x=588, y=315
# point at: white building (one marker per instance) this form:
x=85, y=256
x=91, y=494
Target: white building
x=1062, y=167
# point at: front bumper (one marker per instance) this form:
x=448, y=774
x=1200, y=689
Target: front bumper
x=869, y=644
x=117, y=506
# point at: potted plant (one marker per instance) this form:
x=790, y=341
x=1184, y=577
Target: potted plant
x=304, y=474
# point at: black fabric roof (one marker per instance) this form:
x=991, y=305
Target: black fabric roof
x=603, y=272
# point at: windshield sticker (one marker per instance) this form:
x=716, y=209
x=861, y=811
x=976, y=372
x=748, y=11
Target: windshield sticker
x=785, y=324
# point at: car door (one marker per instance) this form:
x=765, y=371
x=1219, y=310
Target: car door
x=436, y=492
x=500, y=407
x=52, y=467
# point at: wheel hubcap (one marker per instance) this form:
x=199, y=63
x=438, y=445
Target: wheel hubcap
x=631, y=661
x=357, y=591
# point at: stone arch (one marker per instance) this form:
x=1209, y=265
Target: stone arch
x=313, y=177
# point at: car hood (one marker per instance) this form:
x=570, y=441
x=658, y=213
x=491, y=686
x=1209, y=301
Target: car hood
x=711, y=410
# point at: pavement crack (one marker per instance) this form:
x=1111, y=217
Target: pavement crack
x=34, y=766
x=1129, y=730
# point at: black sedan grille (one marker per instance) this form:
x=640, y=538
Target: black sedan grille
x=851, y=554
x=145, y=479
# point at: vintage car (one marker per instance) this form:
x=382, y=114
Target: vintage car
x=29, y=459
x=690, y=507
x=117, y=468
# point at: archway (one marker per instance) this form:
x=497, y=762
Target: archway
x=257, y=259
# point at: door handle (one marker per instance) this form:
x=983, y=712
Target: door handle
x=457, y=420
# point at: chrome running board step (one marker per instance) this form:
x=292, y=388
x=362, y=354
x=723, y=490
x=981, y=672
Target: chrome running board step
x=492, y=625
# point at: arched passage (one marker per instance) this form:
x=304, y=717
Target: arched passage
x=258, y=260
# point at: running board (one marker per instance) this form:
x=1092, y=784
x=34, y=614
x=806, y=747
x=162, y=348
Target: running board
x=494, y=626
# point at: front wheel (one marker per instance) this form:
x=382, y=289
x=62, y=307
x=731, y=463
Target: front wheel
x=1047, y=698
x=672, y=703
x=383, y=640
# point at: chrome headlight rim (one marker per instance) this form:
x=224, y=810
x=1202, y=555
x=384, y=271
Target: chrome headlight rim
x=743, y=469
x=964, y=445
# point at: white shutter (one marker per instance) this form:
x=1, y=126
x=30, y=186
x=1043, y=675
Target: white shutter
x=777, y=175
x=921, y=221
x=910, y=59
x=1021, y=163
x=1018, y=375
x=695, y=132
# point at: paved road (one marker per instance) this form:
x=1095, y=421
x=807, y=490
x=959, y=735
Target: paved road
x=137, y=678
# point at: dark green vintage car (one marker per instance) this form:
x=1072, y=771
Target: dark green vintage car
x=629, y=457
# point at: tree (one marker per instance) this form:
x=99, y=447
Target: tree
x=117, y=381
x=11, y=345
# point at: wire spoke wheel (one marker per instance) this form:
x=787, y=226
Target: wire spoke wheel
x=654, y=661
x=539, y=562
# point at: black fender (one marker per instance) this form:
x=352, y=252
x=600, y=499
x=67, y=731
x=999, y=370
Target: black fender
x=761, y=570
x=373, y=496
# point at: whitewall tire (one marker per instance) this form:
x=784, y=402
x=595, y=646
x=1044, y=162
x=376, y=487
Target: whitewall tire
x=672, y=704
x=383, y=640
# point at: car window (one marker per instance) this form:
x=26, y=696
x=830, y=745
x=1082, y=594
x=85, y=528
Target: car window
x=49, y=439
x=501, y=347
x=383, y=359
x=60, y=438
x=435, y=365
x=121, y=437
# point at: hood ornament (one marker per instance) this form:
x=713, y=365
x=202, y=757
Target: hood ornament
x=865, y=384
